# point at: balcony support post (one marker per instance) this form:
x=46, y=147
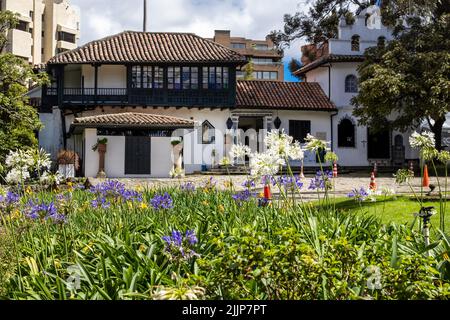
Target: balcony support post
x=96, y=83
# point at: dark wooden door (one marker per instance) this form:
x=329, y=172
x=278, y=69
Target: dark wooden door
x=137, y=155
x=299, y=129
x=379, y=144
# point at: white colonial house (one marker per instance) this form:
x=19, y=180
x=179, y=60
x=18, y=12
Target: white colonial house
x=334, y=67
x=141, y=91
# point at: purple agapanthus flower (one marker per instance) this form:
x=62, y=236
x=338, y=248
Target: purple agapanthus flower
x=359, y=195
x=41, y=210
x=180, y=247
x=162, y=201
x=113, y=191
x=10, y=198
x=249, y=184
x=291, y=183
x=321, y=181
x=188, y=187
x=266, y=180
x=242, y=196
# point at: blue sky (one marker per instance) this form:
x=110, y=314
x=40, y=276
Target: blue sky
x=247, y=18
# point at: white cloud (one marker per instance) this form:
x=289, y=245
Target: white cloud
x=246, y=18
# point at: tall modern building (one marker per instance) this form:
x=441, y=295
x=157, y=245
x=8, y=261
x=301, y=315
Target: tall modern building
x=45, y=28
x=267, y=61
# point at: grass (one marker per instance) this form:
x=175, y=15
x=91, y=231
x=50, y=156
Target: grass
x=394, y=209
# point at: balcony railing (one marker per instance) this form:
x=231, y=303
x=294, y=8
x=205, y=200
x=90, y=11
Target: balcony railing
x=123, y=96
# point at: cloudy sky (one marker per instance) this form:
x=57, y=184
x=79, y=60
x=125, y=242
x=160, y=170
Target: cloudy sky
x=247, y=18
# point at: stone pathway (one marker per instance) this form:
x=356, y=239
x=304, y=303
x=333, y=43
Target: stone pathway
x=344, y=184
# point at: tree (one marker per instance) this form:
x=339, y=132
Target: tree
x=248, y=71
x=409, y=78
x=18, y=119
x=293, y=66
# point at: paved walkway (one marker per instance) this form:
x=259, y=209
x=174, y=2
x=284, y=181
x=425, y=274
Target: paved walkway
x=344, y=184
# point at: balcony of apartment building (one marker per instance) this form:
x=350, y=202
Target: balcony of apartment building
x=66, y=39
x=20, y=39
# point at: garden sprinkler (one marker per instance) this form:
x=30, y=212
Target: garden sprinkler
x=426, y=213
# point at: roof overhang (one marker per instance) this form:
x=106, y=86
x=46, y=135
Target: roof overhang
x=328, y=59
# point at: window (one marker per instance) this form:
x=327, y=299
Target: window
x=299, y=129
x=261, y=46
x=174, y=77
x=240, y=74
x=208, y=133
x=183, y=78
x=136, y=78
x=381, y=42
x=65, y=36
x=346, y=133
x=238, y=45
x=158, y=78
x=22, y=25
x=147, y=77
x=351, y=83
x=215, y=77
x=262, y=61
x=265, y=75
x=43, y=34
x=355, y=43
x=31, y=31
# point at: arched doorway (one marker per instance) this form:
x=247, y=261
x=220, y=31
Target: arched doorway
x=379, y=144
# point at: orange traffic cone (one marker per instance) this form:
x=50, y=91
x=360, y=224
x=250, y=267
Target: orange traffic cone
x=426, y=178
x=267, y=193
x=335, y=172
x=373, y=184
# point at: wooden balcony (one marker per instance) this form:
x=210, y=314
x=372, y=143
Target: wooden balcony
x=138, y=97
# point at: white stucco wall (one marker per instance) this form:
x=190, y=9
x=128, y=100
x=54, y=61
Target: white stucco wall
x=109, y=76
x=160, y=156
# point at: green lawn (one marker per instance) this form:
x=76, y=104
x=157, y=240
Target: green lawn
x=398, y=210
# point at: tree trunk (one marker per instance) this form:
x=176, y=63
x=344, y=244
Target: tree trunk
x=437, y=130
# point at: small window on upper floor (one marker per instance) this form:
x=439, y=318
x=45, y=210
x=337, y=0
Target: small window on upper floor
x=236, y=45
x=355, y=43
x=258, y=46
x=351, y=83
x=22, y=25
x=381, y=42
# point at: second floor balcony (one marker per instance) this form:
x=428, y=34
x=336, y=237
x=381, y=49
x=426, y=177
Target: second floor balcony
x=137, y=97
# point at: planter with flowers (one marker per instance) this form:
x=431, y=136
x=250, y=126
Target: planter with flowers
x=68, y=163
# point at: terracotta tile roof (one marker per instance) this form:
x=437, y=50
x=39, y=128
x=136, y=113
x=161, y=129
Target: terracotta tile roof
x=282, y=95
x=147, y=47
x=329, y=58
x=133, y=119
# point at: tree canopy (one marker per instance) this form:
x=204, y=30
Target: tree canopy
x=408, y=78
x=18, y=119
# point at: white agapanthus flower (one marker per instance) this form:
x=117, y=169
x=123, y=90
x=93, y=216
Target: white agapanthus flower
x=295, y=151
x=422, y=140
x=283, y=145
x=314, y=144
x=239, y=151
x=17, y=175
x=48, y=178
x=42, y=160
x=265, y=164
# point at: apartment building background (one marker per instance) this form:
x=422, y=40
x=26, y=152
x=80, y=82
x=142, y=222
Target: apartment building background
x=267, y=61
x=45, y=28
